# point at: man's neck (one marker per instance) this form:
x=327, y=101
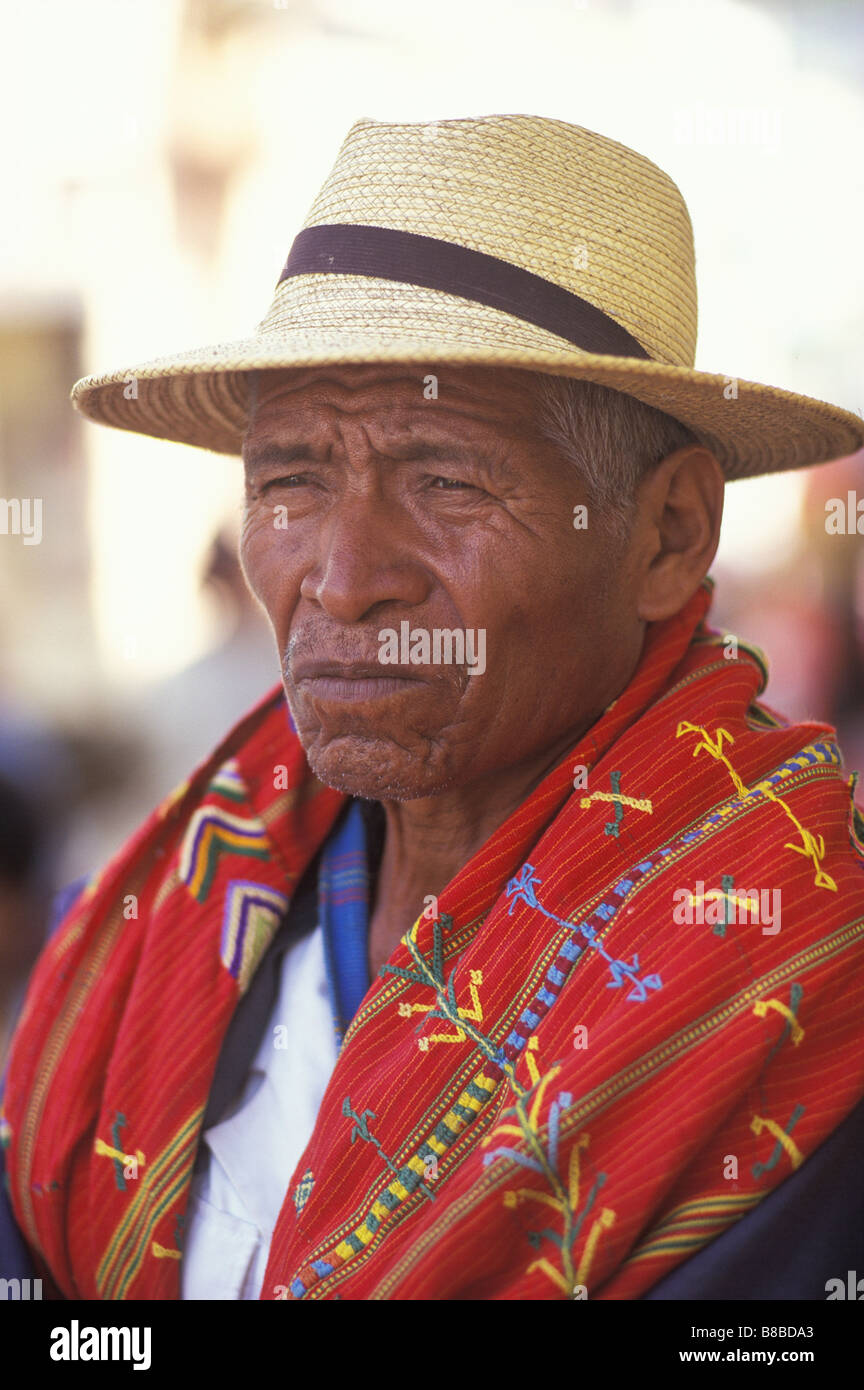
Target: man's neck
x=428, y=840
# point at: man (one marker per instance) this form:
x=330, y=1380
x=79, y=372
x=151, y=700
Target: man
x=520, y=955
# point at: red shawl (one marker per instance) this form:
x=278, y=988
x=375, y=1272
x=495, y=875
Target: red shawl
x=558, y=1088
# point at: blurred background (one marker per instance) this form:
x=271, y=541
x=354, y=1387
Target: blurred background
x=158, y=160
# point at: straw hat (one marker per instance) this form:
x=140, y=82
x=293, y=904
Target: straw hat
x=507, y=240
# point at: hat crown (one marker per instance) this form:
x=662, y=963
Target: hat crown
x=563, y=202
x=499, y=242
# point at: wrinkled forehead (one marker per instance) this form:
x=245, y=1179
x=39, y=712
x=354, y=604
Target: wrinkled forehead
x=501, y=389
x=396, y=400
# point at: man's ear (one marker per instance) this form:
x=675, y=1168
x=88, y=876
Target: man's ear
x=679, y=507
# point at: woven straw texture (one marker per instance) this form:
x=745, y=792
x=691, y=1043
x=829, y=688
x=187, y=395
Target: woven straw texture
x=555, y=199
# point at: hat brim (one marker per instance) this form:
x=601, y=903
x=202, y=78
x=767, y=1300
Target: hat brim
x=200, y=397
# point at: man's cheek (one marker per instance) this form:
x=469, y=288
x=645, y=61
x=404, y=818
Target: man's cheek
x=259, y=555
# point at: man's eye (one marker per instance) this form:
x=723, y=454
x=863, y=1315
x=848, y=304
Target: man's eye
x=448, y=484
x=287, y=480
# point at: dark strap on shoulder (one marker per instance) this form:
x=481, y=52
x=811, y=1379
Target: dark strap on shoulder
x=245, y=1030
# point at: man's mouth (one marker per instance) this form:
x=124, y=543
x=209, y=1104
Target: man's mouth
x=352, y=681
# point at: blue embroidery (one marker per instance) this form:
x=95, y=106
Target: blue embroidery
x=521, y=888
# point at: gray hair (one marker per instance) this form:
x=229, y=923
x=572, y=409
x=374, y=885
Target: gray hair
x=612, y=439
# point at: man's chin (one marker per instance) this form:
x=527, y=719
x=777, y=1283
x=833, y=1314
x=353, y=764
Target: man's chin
x=376, y=769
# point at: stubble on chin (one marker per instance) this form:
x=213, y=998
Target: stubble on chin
x=377, y=767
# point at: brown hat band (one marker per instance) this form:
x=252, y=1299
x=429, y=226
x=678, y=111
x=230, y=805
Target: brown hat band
x=348, y=248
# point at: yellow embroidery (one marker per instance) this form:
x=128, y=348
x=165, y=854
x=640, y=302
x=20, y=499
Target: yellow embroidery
x=565, y=1201
x=716, y=895
x=519, y=1131
x=530, y=1048
x=620, y=799
x=758, y=1123
x=604, y=1222
x=100, y=1147
x=714, y=747
x=761, y=1007
x=812, y=846
x=475, y=1014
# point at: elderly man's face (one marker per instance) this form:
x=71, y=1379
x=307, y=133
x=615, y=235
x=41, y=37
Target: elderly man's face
x=368, y=506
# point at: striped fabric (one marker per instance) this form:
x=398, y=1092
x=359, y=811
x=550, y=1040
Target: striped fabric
x=589, y=1064
x=343, y=911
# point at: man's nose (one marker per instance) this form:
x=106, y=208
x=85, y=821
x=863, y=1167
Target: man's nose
x=365, y=558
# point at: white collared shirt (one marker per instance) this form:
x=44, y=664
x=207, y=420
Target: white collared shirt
x=235, y=1200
